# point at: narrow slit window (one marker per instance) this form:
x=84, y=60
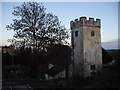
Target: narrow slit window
x=92, y=33
x=76, y=33
x=92, y=67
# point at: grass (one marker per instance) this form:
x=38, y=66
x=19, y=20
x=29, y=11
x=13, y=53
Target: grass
x=108, y=78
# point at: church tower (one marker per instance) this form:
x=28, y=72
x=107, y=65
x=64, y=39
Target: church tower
x=86, y=46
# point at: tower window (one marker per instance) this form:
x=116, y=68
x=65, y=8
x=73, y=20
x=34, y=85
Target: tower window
x=92, y=33
x=92, y=67
x=76, y=33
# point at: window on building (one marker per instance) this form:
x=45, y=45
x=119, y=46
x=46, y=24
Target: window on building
x=92, y=33
x=76, y=33
x=92, y=67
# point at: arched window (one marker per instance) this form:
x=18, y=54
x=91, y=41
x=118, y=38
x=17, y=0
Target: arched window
x=92, y=33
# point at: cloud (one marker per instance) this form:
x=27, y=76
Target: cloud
x=114, y=44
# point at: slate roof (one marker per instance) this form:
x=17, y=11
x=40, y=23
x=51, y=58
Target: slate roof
x=61, y=59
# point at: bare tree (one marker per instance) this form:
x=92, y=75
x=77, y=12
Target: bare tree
x=34, y=27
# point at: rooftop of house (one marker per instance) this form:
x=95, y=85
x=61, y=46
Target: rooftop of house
x=61, y=58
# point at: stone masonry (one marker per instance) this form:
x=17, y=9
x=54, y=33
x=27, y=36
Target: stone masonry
x=86, y=46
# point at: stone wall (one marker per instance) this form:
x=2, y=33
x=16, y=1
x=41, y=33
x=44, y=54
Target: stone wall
x=86, y=45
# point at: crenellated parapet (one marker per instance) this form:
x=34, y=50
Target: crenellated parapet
x=82, y=21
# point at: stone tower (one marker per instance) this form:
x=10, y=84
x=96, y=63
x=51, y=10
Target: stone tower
x=86, y=45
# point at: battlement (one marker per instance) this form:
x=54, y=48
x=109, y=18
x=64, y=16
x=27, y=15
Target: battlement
x=82, y=21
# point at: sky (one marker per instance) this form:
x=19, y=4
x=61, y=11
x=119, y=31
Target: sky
x=67, y=11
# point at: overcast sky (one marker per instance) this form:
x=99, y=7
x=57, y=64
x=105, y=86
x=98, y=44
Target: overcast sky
x=67, y=11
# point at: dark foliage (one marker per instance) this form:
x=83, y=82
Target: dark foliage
x=38, y=61
x=6, y=59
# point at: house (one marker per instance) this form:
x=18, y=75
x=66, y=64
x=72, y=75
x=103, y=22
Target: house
x=7, y=54
x=7, y=49
x=59, y=57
